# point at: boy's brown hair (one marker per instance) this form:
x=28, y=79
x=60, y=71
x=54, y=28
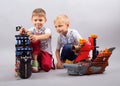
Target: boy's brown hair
x=39, y=12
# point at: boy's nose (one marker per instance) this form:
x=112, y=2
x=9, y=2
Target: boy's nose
x=58, y=30
x=38, y=22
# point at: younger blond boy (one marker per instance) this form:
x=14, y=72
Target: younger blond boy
x=67, y=37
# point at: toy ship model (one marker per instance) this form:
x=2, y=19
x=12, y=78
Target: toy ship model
x=81, y=65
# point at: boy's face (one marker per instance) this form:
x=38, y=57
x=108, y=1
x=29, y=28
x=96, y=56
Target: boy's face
x=61, y=27
x=38, y=21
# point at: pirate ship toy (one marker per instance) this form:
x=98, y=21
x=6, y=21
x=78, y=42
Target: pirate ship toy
x=23, y=67
x=83, y=65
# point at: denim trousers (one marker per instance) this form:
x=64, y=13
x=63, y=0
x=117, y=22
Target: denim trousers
x=67, y=53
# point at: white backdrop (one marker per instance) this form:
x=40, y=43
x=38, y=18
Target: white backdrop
x=101, y=17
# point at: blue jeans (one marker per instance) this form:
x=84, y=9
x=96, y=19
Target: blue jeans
x=67, y=53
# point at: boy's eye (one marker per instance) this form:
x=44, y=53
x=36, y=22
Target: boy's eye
x=35, y=20
x=60, y=25
x=40, y=20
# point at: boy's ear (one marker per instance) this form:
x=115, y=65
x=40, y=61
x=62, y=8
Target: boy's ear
x=45, y=19
x=68, y=25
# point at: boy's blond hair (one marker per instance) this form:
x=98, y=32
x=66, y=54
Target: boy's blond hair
x=62, y=18
x=39, y=12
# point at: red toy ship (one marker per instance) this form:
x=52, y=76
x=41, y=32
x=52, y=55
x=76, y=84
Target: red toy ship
x=83, y=64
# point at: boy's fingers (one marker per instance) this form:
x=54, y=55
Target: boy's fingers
x=31, y=37
x=28, y=33
x=59, y=66
x=22, y=30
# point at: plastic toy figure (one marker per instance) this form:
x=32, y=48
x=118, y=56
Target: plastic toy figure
x=23, y=67
x=96, y=65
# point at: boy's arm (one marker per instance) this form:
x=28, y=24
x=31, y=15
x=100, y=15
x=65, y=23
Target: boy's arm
x=59, y=64
x=40, y=37
x=77, y=36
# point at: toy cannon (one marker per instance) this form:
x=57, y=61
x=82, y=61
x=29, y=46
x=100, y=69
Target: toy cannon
x=81, y=65
x=23, y=67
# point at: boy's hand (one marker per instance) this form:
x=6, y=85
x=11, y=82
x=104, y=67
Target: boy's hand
x=28, y=33
x=76, y=49
x=32, y=37
x=59, y=65
x=22, y=30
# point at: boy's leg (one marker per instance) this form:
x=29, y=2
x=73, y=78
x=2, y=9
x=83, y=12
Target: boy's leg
x=46, y=61
x=35, y=64
x=67, y=53
x=35, y=46
x=35, y=54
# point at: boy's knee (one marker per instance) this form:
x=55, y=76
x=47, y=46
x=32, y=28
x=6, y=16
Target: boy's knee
x=67, y=47
x=46, y=67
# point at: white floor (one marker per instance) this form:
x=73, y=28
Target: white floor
x=58, y=77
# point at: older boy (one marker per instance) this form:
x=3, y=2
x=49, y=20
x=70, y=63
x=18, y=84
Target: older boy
x=40, y=41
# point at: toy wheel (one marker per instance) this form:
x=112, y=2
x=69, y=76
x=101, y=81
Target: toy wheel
x=25, y=69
